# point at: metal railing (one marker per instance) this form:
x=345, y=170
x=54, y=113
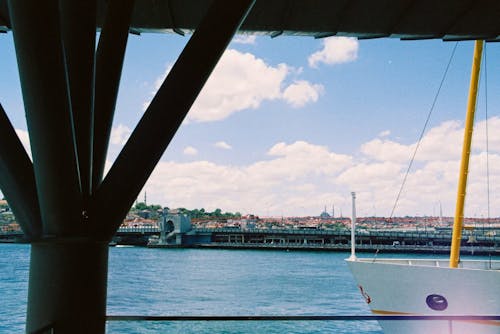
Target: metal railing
x=302, y=317
x=51, y=328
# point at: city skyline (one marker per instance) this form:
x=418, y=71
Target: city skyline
x=288, y=125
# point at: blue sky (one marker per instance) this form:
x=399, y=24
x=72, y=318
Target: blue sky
x=289, y=125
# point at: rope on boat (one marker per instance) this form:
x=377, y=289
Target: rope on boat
x=487, y=138
x=423, y=130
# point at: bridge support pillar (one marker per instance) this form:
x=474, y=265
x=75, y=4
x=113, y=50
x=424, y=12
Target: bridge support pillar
x=61, y=211
x=67, y=287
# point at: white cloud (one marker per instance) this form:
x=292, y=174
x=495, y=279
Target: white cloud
x=385, y=133
x=245, y=39
x=157, y=84
x=381, y=174
x=159, y=80
x=240, y=81
x=25, y=140
x=190, y=150
x=120, y=134
x=302, y=92
x=440, y=142
x=301, y=177
x=479, y=137
x=336, y=50
x=434, y=175
x=387, y=150
x=248, y=188
x=223, y=145
x=301, y=159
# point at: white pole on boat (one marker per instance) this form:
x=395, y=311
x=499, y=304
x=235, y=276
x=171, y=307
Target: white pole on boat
x=353, y=228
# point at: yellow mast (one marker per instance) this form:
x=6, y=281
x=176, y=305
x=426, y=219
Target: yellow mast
x=464, y=165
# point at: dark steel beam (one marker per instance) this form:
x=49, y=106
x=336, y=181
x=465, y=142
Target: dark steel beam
x=67, y=288
x=45, y=92
x=109, y=63
x=17, y=180
x=4, y=22
x=403, y=14
x=457, y=19
x=78, y=23
x=164, y=115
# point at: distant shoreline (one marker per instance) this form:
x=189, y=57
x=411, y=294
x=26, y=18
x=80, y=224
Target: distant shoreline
x=373, y=249
x=343, y=248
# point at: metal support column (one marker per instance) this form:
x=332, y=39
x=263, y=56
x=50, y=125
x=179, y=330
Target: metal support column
x=167, y=110
x=17, y=180
x=68, y=271
x=68, y=283
x=78, y=27
x=109, y=63
x=44, y=85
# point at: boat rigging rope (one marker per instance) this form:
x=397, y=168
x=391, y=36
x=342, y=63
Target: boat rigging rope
x=423, y=130
x=487, y=139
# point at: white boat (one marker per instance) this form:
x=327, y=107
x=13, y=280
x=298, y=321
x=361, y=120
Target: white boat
x=430, y=287
x=434, y=287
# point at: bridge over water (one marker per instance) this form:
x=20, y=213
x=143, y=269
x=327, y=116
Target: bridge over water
x=310, y=239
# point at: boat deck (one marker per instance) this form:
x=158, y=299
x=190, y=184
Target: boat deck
x=465, y=264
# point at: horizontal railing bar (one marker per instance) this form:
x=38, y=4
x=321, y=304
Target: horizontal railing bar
x=300, y=317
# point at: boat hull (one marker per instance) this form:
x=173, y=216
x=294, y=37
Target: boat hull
x=430, y=287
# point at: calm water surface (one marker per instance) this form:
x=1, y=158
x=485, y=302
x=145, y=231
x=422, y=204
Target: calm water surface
x=146, y=281
x=232, y=282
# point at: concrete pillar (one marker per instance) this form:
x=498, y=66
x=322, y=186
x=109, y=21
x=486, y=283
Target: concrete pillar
x=67, y=286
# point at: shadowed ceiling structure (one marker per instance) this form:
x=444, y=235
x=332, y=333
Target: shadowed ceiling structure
x=68, y=209
x=405, y=19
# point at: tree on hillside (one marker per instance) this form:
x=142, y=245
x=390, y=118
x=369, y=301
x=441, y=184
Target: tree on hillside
x=140, y=206
x=217, y=213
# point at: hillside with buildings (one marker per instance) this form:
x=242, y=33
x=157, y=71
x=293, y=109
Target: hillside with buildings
x=143, y=215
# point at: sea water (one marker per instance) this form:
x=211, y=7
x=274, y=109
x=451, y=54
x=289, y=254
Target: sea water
x=233, y=282
x=209, y=282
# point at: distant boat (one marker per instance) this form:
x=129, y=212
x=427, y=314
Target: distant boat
x=435, y=287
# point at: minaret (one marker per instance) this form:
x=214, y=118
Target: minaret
x=145, y=197
x=333, y=211
x=440, y=213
